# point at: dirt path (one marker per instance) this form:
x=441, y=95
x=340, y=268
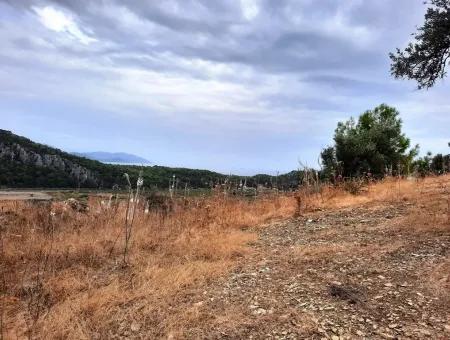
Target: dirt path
x=359, y=272
x=7, y=195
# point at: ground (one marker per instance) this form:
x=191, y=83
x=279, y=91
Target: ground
x=357, y=272
x=24, y=195
x=333, y=265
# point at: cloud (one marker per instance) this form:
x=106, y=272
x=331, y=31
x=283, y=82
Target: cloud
x=272, y=76
x=250, y=9
x=59, y=22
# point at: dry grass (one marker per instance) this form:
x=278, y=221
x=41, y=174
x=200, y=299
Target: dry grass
x=429, y=198
x=64, y=276
x=389, y=190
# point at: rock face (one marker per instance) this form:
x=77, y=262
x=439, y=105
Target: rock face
x=14, y=152
x=17, y=153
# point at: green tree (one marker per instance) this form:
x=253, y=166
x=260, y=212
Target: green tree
x=423, y=164
x=329, y=163
x=372, y=143
x=408, y=160
x=437, y=164
x=425, y=59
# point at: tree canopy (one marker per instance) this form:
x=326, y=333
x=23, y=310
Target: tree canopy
x=425, y=59
x=371, y=144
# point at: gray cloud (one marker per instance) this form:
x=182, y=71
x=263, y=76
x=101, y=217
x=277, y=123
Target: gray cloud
x=268, y=68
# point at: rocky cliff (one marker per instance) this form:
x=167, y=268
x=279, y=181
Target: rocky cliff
x=15, y=153
x=21, y=154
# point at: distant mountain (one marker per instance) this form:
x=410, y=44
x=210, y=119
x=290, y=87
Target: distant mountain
x=113, y=157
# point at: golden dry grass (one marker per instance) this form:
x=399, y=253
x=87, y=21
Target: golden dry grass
x=388, y=190
x=64, y=276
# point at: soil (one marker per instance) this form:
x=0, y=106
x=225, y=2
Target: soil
x=359, y=272
x=24, y=196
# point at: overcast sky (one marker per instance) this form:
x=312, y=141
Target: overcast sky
x=236, y=86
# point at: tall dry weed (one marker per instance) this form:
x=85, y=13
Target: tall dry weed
x=64, y=277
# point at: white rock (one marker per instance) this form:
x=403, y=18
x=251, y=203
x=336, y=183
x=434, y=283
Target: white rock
x=135, y=327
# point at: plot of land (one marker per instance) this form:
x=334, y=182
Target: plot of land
x=24, y=196
x=376, y=270
x=374, y=265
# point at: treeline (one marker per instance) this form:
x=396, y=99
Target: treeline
x=26, y=164
x=375, y=146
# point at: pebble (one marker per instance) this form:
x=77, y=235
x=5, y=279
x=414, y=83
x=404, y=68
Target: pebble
x=259, y=311
x=135, y=327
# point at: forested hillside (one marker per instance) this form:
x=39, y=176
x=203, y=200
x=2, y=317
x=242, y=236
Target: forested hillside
x=26, y=164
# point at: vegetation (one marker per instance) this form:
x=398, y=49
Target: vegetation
x=428, y=164
x=426, y=59
x=374, y=144
x=371, y=145
x=62, y=273
x=17, y=173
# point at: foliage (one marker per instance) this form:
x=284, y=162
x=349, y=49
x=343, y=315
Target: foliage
x=371, y=144
x=330, y=166
x=15, y=173
x=286, y=181
x=423, y=164
x=437, y=164
x=425, y=60
x=408, y=161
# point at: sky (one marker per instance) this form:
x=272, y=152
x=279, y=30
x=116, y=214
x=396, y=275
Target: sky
x=245, y=87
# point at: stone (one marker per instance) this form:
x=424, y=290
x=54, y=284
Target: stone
x=425, y=332
x=135, y=327
x=259, y=311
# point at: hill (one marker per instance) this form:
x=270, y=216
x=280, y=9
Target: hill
x=26, y=164
x=113, y=157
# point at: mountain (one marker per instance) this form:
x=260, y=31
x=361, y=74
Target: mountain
x=113, y=157
x=26, y=164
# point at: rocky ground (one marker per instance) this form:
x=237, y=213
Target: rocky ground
x=371, y=271
x=371, y=266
